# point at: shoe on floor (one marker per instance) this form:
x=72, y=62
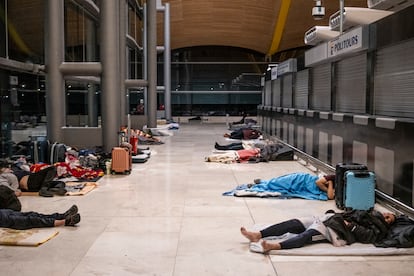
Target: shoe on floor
x=72, y=220
x=45, y=192
x=58, y=191
x=71, y=211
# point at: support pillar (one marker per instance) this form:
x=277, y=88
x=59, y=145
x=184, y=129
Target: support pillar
x=152, y=63
x=167, y=62
x=123, y=17
x=54, y=56
x=111, y=94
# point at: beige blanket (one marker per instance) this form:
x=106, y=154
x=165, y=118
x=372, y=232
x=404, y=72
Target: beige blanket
x=80, y=188
x=30, y=237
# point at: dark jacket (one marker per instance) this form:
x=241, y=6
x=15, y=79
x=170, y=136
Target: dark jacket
x=363, y=227
x=400, y=234
x=8, y=199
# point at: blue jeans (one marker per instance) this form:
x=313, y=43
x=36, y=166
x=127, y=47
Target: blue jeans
x=26, y=220
x=291, y=226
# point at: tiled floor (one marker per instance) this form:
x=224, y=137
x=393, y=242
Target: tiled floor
x=168, y=217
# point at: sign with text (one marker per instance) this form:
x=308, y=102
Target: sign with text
x=274, y=72
x=287, y=66
x=351, y=41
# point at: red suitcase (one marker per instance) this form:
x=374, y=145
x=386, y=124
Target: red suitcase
x=121, y=160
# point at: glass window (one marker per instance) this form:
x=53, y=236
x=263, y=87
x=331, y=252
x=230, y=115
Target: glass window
x=82, y=99
x=25, y=44
x=214, y=81
x=80, y=35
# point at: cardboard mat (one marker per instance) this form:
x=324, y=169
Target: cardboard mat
x=80, y=188
x=30, y=237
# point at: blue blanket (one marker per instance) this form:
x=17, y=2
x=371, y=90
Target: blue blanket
x=301, y=185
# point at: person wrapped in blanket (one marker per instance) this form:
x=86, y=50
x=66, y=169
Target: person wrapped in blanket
x=337, y=228
x=300, y=185
x=233, y=156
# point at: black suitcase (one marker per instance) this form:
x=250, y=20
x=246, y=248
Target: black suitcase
x=340, y=170
x=57, y=153
x=39, y=151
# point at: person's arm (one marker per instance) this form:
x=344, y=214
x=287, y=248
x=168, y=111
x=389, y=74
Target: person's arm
x=326, y=186
x=361, y=233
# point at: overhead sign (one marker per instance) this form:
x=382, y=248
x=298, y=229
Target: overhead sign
x=274, y=72
x=287, y=66
x=349, y=42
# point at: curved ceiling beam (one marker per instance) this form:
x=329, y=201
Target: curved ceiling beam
x=280, y=26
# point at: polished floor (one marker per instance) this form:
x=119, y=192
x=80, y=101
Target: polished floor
x=168, y=217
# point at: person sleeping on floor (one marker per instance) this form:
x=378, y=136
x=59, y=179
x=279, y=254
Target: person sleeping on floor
x=244, y=133
x=299, y=185
x=337, y=228
x=235, y=156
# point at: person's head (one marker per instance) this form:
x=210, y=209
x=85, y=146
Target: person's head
x=389, y=217
x=4, y=164
x=330, y=177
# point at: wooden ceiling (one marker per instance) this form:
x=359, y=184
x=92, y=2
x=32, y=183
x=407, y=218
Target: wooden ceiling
x=265, y=26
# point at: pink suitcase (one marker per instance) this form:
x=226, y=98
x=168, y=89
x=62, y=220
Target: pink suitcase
x=121, y=160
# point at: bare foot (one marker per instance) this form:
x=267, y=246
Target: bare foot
x=251, y=236
x=270, y=246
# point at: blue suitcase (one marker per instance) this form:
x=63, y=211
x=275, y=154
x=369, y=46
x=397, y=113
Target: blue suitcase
x=340, y=170
x=359, y=190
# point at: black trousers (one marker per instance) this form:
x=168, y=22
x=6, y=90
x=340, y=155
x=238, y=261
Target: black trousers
x=42, y=178
x=291, y=226
x=231, y=146
x=26, y=220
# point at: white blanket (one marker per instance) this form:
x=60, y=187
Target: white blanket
x=327, y=249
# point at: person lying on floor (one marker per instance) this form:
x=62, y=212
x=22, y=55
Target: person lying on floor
x=244, y=133
x=27, y=220
x=247, y=144
x=27, y=181
x=302, y=185
x=241, y=121
x=338, y=228
x=232, y=156
x=269, y=150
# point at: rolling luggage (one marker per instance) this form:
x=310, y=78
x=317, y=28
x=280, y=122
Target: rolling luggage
x=57, y=153
x=340, y=170
x=39, y=151
x=121, y=160
x=359, y=190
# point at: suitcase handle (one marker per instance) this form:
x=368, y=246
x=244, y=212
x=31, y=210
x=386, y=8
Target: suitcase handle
x=361, y=174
